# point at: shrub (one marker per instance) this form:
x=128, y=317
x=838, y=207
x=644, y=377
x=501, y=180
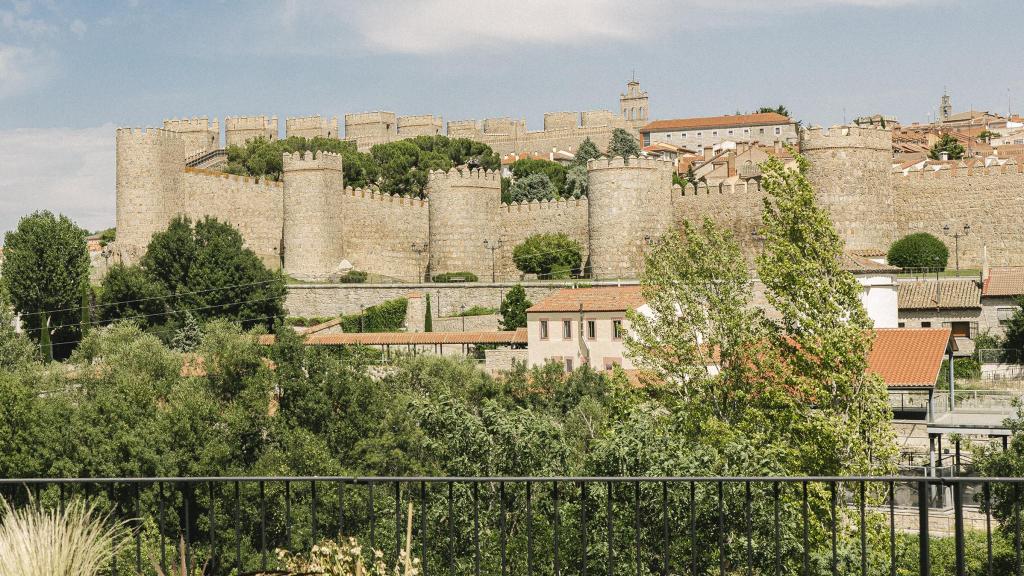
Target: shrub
x=548, y=255
x=533, y=187
x=963, y=369
x=74, y=542
x=919, y=250
x=529, y=166
x=477, y=311
x=353, y=277
x=456, y=277
x=513, y=308
x=388, y=316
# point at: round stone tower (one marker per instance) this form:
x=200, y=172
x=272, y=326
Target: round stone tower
x=312, y=236
x=850, y=170
x=149, y=162
x=462, y=213
x=630, y=207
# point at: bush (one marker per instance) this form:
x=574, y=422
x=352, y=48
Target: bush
x=455, y=277
x=528, y=167
x=513, y=308
x=353, y=277
x=963, y=369
x=388, y=316
x=533, y=187
x=548, y=256
x=919, y=250
x=477, y=311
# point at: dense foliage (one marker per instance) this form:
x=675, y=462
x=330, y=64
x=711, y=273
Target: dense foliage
x=399, y=167
x=780, y=109
x=586, y=152
x=623, y=144
x=549, y=256
x=45, y=271
x=948, y=144
x=1013, y=341
x=919, y=250
x=388, y=316
x=513, y=308
x=532, y=187
x=200, y=269
x=455, y=277
x=554, y=171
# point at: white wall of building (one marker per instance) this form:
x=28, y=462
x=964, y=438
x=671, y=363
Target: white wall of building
x=879, y=296
x=604, y=348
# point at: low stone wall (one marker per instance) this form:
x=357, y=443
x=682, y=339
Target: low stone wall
x=445, y=299
x=501, y=359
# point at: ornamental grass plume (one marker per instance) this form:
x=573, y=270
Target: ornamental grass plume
x=77, y=541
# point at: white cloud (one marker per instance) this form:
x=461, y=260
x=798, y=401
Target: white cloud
x=22, y=69
x=436, y=26
x=64, y=170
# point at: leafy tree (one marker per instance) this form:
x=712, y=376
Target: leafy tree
x=528, y=166
x=44, y=272
x=548, y=255
x=1009, y=463
x=130, y=292
x=780, y=109
x=586, y=152
x=428, y=317
x=949, y=144
x=1013, y=341
x=919, y=250
x=16, y=350
x=513, y=308
x=623, y=144
x=577, y=183
x=532, y=187
x=987, y=135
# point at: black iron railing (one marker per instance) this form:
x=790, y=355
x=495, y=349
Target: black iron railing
x=569, y=525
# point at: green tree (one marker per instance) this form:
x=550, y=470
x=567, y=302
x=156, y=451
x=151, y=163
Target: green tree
x=428, y=317
x=513, y=308
x=586, y=152
x=987, y=135
x=623, y=144
x=528, y=166
x=1013, y=340
x=16, y=350
x=44, y=272
x=919, y=250
x=131, y=293
x=548, y=255
x=577, y=183
x=780, y=109
x=948, y=144
x=532, y=187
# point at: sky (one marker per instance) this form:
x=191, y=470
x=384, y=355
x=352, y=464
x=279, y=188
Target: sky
x=70, y=73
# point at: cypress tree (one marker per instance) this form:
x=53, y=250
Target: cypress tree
x=428, y=322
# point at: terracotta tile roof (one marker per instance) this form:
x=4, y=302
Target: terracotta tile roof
x=762, y=119
x=320, y=327
x=599, y=299
x=409, y=338
x=861, y=264
x=908, y=357
x=869, y=253
x=1004, y=281
x=952, y=294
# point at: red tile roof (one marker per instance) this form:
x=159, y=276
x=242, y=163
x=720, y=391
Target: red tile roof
x=598, y=299
x=1004, y=281
x=760, y=119
x=908, y=357
x=409, y=338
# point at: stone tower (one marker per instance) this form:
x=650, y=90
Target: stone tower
x=630, y=207
x=463, y=212
x=312, y=235
x=149, y=164
x=850, y=170
x=945, y=108
x=198, y=133
x=633, y=104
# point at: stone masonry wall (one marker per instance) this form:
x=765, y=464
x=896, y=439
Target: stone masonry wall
x=522, y=220
x=991, y=200
x=463, y=212
x=380, y=231
x=254, y=207
x=735, y=206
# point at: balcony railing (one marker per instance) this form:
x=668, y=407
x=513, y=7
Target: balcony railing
x=568, y=525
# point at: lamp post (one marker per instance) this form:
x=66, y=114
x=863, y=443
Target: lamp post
x=419, y=248
x=956, y=237
x=492, y=246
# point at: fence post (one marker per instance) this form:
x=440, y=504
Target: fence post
x=922, y=530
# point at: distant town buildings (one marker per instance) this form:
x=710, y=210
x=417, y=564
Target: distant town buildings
x=763, y=128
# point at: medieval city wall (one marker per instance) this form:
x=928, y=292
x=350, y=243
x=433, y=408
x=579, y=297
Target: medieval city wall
x=519, y=221
x=253, y=207
x=990, y=199
x=381, y=231
x=240, y=129
x=736, y=206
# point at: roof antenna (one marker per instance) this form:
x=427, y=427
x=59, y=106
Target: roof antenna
x=634, y=74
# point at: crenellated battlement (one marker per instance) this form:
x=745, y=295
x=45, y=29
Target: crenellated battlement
x=193, y=124
x=475, y=177
x=375, y=195
x=248, y=180
x=310, y=160
x=250, y=123
x=311, y=126
x=977, y=169
x=551, y=204
x=845, y=136
x=703, y=189
x=149, y=134
x=632, y=162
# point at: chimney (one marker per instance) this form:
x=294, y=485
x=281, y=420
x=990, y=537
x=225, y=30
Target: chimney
x=944, y=156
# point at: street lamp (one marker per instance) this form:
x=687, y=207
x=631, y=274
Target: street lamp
x=419, y=248
x=956, y=237
x=492, y=246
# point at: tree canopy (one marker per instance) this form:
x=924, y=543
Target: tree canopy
x=948, y=144
x=919, y=250
x=780, y=109
x=623, y=144
x=513, y=308
x=549, y=256
x=531, y=187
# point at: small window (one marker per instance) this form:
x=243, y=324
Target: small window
x=730, y=132
x=617, y=329
x=543, y=329
x=902, y=325
x=714, y=132
x=778, y=130
x=760, y=130
x=926, y=324
x=591, y=329
x=699, y=134
x=669, y=135
x=568, y=365
x=567, y=329
x=961, y=329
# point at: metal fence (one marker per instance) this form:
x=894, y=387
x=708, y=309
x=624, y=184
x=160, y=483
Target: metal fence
x=569, y=525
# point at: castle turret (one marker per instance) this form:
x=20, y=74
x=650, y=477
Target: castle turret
x=311, y=127
x=149, y=165
x=240, y=129
x=850, y=170
x=463, y=212
x=199, y=134
x=630, y=206
x=312, y=236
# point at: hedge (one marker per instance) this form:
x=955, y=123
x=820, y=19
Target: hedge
x=353, y=277
x=388, y=316
x=919, y=250
x=455, y=277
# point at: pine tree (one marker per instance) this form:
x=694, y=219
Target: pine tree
x=586, y=152
x=513, y=308
x=623, y=144
x=428, y=320
x=189, y=336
